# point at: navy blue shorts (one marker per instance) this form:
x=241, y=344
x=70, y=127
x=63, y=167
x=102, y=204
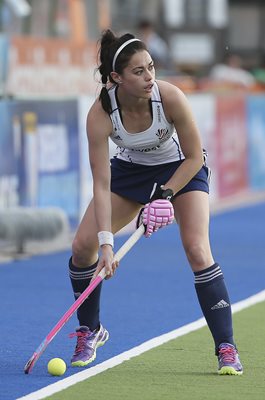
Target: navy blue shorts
x=136, y=181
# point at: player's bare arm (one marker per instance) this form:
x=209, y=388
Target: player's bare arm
x=98, y=129
x=178, y=111
x=98, y=134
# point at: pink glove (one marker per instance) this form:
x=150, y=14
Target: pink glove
x=156, y=214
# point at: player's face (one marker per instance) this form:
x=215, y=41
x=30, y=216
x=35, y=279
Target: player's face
x=139, y=75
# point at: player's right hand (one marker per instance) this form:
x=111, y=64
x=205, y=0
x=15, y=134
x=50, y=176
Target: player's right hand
x=106, y=260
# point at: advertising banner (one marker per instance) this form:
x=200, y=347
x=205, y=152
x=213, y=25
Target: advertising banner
x=45, y=67
x=204, y=111
x=48, y=154
x=9, y=195
x=231, y=144
x=256, y=137
x=3, y=61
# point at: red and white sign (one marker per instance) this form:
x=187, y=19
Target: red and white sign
x=45, y=67
x=231, y=144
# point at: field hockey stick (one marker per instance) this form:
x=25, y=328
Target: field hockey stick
x=99, y=278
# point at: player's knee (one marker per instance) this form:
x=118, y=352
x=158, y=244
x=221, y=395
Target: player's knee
x=83, y=252
x=196, y=254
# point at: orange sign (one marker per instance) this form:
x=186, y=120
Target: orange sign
x=44, y=67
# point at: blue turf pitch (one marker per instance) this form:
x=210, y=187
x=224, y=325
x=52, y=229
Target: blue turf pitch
x=152, y=293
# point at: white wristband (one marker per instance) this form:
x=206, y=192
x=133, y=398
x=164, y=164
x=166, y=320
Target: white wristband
x=105, y=237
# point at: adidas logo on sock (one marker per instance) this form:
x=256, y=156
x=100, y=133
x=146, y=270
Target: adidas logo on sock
x=220, y=304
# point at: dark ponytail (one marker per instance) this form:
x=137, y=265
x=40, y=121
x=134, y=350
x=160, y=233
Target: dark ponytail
x=109, y=44
x=107, y=41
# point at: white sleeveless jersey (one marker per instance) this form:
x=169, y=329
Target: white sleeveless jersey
x=159, y=144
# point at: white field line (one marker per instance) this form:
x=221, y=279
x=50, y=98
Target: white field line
x=136, y=351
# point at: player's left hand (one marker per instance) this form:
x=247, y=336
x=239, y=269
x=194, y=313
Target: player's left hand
x=157, y=214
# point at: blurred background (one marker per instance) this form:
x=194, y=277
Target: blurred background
x=198, y=34
x=214, y=50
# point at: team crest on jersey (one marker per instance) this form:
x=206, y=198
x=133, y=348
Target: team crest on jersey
x=163, y=134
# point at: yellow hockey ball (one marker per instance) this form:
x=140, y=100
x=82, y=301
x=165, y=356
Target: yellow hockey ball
x=56, y=367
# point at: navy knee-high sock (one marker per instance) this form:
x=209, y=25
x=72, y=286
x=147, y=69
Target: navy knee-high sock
x=88, y=312
x=215, y=304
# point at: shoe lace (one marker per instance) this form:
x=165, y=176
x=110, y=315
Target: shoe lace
x=81, y=340
x=227, y=354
